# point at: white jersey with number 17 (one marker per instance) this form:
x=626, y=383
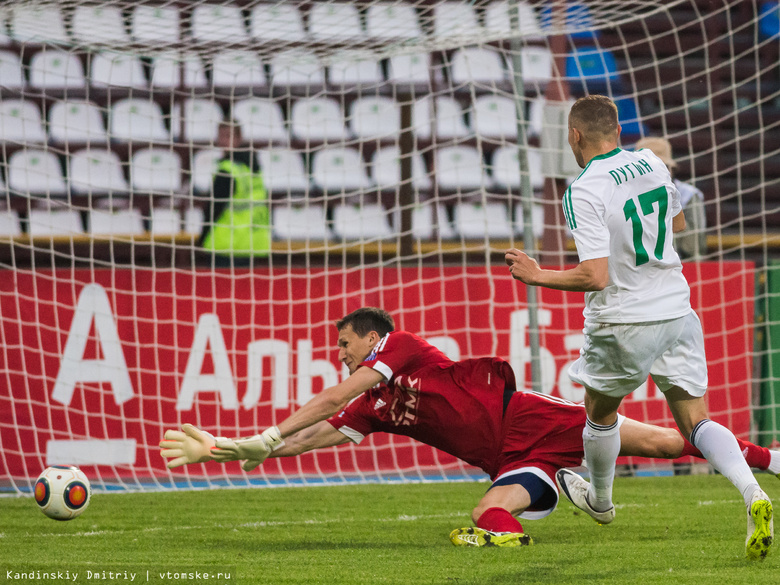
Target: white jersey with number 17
x=621, y=206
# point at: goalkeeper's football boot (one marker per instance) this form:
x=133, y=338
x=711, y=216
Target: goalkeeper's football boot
x=760, y=531
x=576, y=489
x=473, y=536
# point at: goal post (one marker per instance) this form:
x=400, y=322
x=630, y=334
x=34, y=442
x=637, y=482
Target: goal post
x=403, y=146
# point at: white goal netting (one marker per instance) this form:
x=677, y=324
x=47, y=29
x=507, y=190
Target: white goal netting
x=403, y=146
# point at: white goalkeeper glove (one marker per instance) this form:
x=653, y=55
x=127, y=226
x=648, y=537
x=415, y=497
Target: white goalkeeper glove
x=253, y=450
x=190, y=446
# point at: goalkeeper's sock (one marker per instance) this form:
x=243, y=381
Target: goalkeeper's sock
x=721, y=449
x=499, y=520
x=602, y=446
x=755, y=455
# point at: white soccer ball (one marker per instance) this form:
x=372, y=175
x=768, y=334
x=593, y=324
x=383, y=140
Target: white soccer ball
x=62, y=492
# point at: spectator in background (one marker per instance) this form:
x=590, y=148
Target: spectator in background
x=690, y=243
x=236, y=219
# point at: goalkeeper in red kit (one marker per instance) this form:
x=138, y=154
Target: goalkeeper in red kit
x=401, y=384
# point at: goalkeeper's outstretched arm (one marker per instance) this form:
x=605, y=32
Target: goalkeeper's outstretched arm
x=317, y=436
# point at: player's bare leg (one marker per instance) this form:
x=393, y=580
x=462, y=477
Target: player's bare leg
x=721, y=449
x=495, y=520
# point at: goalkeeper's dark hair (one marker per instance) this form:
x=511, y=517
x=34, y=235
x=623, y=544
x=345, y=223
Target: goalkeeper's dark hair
x=368, y=319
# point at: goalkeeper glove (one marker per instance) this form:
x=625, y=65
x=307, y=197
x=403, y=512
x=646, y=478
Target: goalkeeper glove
x=253, y=450
x=190, y=446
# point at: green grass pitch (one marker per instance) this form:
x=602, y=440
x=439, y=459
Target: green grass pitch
x=667, y=530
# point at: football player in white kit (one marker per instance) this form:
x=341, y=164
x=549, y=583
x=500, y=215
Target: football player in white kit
x=622, y=210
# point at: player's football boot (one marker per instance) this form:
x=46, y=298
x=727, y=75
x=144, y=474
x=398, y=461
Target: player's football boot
x=760, y=529
x=473, y=536
x=576, y=489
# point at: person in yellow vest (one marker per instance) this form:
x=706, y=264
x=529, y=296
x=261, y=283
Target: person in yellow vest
x=236, y=220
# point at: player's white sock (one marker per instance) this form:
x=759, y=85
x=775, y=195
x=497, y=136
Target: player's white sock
x=602, y=446
x=721, y=449
x=774, y=462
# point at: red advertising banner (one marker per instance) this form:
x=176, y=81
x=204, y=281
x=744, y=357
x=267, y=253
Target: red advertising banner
x=97, y=364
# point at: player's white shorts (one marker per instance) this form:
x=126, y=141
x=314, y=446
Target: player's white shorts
x=617, y=358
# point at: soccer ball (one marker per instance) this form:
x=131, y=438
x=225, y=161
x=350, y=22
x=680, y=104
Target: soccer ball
x=62, y=492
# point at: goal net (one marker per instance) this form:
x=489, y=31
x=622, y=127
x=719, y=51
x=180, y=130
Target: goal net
x=403, y=146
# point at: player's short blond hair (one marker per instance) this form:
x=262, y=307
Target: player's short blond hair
x=596, y=118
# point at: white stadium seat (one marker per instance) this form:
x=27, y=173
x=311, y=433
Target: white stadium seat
x=361, y=222
x=414, y=69
x=35, y=172
x=218, y=23
x=193, y=220
x=200, y=120
x=537, y=215
x=276, y=22
x=123, y=222
x=429, y=220
x=339, y=169
x=375, y=117
x=116, y=69
x=318, y=118
x=76, y=121
x=335, y=22
x=237, y=69
x=20, y=122
x=93, y=24
x=494, y=116
x=506, y=168
x=537, y=63
x=449, y=118
x=453, y=19
x=297, y=68
x=155, y=23
x=54, y=222
x=156, y=170
x=477, y=65
x=305, y=222
x=202, y=170
x=391, y=21
x=260, y=119
x=477, y=221
x=9, y=224
x=283, y=171
x=11, y=70
x=355, y=68
x=37, y=22
x=460, y=168
x=55, y=69
x=386, y=169
x=92, y=171
x=171, y=69
x=139, y=120
x=164, y=221
x=497, y=19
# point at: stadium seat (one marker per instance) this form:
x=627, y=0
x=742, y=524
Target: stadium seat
x=9, y=224
x=202, y=169
x=494, y=116
x=11, y=70
x=497, y=19
x=276, y=22
x=537, y=64
x=37, y=23
x=155, y=24
x=164, y=221
x=477, y=221
x=138, y=120
x=361, y=222
x=297, y=68
x=193, y=221
x=769, y=19
x=116, y=69
x=5, y=38
x=537, y=220
x=386, y=169
x=339, y=169
x=156, y=170
x=449, y=118
x=167, y=70
x=429, y=220
x=391, y=21
x=412, y=69
x=261, y=120
x=123, y=222
x=54, y=69
x=93, y=24
x=460, y=168
x=54, y=222
x=237, y=69
x=355, y=68
x=454, y=19
x=20, y=122
x=306, y=222
x=591, y=70
x=335, y=22
x=215, y=23
x=536, y=116
x=375, y=117
x=200, y=120
x=35, y=172
x=579, y=20
x=92, y=171
x=283, y=171
x=73, y=121
x=506, y=168
x=317, y=118
x=630, y=121
x=477, y=65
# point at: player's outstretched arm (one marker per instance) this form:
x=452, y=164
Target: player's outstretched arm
x=588, y=275
x=317, y=436
x=189, y=445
